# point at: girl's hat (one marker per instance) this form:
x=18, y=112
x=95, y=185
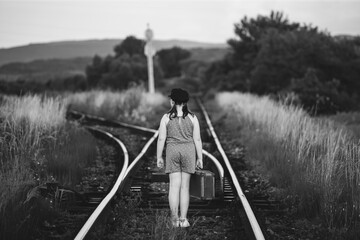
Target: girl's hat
x=179, y=95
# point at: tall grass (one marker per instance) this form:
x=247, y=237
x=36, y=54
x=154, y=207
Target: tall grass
x=25, y=123
x=316, y=160
x=133, y=105
x=36, y=145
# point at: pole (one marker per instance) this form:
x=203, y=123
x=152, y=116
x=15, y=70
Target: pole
x=150, y=52
x=151, y=74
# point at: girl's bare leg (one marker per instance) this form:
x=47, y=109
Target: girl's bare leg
x=174, y=193
x=184, y=194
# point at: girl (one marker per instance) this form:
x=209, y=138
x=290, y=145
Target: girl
x=181, y=131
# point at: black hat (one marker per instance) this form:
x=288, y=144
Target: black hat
x=179, y=95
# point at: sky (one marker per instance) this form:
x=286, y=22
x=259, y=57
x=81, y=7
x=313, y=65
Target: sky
x=27, y=21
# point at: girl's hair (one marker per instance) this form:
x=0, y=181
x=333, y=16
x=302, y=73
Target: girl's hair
x=173, y=113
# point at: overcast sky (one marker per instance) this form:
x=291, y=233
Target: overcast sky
x=27, y=21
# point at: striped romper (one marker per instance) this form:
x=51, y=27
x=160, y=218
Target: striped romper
x=180, y=146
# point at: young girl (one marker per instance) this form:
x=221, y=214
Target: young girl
x=181, y=131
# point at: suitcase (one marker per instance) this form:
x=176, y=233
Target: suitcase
x=202, y=185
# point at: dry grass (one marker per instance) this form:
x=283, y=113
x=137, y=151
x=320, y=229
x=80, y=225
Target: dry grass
x=36, y=145
x=134, y=105
x=25, y=123
x=317, y=160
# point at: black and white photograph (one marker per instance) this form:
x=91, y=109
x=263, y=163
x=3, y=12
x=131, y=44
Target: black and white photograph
x=180, y=119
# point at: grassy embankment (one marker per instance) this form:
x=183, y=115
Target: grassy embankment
x=316, y=161
x=37, y=145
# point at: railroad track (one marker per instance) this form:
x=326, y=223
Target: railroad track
x=230, y=209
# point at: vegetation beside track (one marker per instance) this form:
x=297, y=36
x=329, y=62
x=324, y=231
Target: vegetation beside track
x=133, y=105
x=37, y=145
x=312, y=163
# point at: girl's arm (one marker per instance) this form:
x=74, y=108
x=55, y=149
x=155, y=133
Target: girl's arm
x=198, y=143
x=161, y=142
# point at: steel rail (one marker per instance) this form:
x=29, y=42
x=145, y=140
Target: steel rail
x=91, y=220
x=250, y=214
x=114, y=122
x=141, y=154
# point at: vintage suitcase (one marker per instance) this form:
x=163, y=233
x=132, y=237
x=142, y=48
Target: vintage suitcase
x=202, y=185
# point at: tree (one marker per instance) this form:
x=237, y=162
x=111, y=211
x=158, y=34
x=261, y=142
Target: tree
x=130, y=45
x=250, y=32
x=124, y=71
x=169, y=60
x=321, y=97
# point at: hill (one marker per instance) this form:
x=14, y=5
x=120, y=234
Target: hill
x=86, y=48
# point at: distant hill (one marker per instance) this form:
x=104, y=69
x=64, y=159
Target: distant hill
x=86, y=48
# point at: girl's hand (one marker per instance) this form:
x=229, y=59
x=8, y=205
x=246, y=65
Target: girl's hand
x=199, y=163
x=160, y=162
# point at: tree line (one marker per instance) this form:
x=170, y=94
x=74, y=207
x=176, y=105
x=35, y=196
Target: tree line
x=269, y=55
